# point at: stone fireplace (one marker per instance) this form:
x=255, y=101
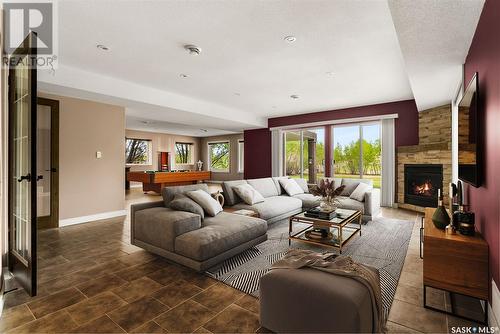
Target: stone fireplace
x=424, y=168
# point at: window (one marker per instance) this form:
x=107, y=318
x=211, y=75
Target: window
x=183, y=153
x=241, y=155
x=357, y=152
x=138, y=151
x=218, y=156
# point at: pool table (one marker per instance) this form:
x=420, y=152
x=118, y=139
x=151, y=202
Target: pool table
x=155, y=181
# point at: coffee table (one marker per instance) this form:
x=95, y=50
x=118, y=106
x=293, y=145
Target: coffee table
x=343, y=227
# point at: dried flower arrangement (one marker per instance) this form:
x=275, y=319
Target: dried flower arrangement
x=326, y=189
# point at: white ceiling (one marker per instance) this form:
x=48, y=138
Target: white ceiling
x=247, y=72
x=435, y=37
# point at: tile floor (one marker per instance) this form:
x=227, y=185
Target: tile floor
x=92, y=280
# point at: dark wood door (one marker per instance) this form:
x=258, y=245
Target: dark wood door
x=47, y=163
x=22, y=164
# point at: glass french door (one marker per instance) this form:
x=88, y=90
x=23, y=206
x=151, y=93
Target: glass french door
x=22, y=165
x=305, y=154
x=357, y=152
x=47, y=163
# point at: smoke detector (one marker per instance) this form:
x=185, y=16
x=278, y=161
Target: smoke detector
x=290, y=39
x=193, y=49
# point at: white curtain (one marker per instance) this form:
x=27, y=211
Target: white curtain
x=388, y=163
x=277, y=152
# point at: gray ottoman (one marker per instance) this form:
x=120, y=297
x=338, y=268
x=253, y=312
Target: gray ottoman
x=311, y=301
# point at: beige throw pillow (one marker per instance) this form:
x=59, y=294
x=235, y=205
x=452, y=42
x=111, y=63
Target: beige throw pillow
x=359, y=193
x=248, y=194
x=209, y=204
x=291, y=187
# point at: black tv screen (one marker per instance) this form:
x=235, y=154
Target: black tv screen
x=469, y=162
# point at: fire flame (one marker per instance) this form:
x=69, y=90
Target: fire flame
x=423, y=189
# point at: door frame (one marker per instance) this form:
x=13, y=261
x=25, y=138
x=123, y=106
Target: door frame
x=52, y=221
x=28, y=268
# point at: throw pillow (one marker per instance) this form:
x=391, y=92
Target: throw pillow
x=183, y=203
x=291, y=187
x=359, y=193
x=209, y=204
x=303, y=184
x=248, y=194
x=350, y=185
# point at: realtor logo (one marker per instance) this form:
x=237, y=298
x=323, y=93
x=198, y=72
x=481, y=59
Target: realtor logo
x=22, y=18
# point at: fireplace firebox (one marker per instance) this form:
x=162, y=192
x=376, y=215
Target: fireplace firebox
x=422, y=183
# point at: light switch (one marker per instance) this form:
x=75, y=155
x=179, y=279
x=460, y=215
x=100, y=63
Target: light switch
x=98, y=154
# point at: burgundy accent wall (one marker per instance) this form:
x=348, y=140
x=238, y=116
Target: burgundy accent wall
x=257, y=153
x=258, y=142
x=406, y=124
x=484, y=58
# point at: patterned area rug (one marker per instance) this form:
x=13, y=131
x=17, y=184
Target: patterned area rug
x=383, y=245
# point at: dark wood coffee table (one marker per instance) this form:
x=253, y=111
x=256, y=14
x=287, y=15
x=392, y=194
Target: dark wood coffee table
x=342, y=228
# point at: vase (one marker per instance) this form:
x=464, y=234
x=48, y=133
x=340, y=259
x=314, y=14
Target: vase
x=327, y=205
x=440, y=218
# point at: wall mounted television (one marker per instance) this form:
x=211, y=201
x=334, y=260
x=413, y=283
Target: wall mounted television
x=469, y=155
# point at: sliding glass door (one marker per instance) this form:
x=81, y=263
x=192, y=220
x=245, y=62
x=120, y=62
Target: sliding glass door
x=357, y=151
x=304, y=154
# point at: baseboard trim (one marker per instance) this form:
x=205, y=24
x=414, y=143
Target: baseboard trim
x=494, y=306
x=89, y=218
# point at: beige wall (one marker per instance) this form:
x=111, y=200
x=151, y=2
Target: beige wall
x=87, y=185
x=233, y=168
x=163, y=142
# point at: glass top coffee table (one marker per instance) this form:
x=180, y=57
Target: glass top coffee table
x=340, y=229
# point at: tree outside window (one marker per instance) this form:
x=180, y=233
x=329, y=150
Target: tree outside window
x=137, y=151
x=184, y=153
x=218, y=154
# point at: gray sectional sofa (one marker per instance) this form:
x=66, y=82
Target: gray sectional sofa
x=278, y=205
x=186, y=238
x=200, y=243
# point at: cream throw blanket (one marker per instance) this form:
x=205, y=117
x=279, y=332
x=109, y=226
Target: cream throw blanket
x=343, y=266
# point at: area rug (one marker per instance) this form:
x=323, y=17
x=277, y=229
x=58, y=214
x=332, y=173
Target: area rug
x=383, y=245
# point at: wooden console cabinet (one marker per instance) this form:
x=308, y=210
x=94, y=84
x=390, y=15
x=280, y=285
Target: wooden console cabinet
x=454, y=263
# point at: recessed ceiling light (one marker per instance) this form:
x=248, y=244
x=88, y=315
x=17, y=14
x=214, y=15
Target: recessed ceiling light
x=330, y=74
x=102, y=47
x=182, y=75
x=294, y=96
x=290, y=39
x=146, y=122
x=237, y=94
x=203, y=130
x=192, y=49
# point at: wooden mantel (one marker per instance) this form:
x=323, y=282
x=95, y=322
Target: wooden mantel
x=155, y=181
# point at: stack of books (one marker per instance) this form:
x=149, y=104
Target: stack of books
x=318, y=233
x=319, y=213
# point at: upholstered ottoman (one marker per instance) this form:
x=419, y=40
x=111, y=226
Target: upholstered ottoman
x=309, y=301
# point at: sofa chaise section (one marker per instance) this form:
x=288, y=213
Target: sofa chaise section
x=218, y=234
x=186, y=238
